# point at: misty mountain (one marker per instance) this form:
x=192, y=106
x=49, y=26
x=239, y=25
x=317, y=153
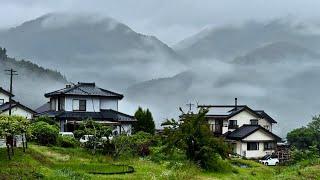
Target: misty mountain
x=230, y=41
x=91, y=48
x=32, y=80
x=288, y=91
x=278, y=52
x=166, y=87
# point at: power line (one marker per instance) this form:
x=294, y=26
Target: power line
x=11, y=73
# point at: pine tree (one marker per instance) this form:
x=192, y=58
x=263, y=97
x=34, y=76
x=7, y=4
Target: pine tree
x=144, y=122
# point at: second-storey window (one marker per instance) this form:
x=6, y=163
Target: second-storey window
x=1, y=101
x=79, y=105
x=254, y=121
x=233, y=124
x=82, y=105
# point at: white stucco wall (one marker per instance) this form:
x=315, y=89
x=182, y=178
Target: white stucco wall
x=243, y=117
x=106, y=103
x=92, y=105
x=19, y=112
x=4, y=97
x=255, y=154
x=266, y=124
x=258, y=136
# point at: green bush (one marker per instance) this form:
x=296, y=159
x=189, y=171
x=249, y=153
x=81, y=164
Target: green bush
x=67, y=141
x=46, y=119
x=44, y=133
x=158, y=155
x=128, y=146
x=301, y=155
x=78, y=134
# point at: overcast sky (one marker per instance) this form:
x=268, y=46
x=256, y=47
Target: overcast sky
x=169, y=20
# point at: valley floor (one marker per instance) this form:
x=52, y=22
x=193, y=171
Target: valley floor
x=41, y=162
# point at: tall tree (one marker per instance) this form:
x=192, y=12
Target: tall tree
x=192, y=134
x=10, y=126
x=144, y=122
x=305, y=137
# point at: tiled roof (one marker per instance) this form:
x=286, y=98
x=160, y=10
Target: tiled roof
x=6, y=106
x=266, y=116
x=232, y=112
x=5, y=92
x=246, y=130
x=45, y=107
x=243, y=131
x=84, y=89
x=110, y=115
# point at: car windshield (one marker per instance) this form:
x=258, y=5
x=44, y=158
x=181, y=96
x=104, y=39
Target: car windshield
x=266, y=157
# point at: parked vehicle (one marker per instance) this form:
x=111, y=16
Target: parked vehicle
x=70, y=134
x=85, y=138
x=270, y=160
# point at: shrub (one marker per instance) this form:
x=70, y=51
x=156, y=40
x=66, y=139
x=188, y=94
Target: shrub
x=158, y=155
x=301, y=155
x=78, y=134
x=46, y=119
x=67, y=141
x=44, y=133
x=128, y=146
x=108, y=148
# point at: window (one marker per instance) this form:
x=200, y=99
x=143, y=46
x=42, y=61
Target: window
x=254, y=121
x=268, y=145
x=61, y=103
x=1, y=101
x=233, y=124
x=251, y=146
x=82, y=105
x=79, y=105
x=53, y=104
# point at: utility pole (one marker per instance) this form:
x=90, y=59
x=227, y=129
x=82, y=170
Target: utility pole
x=11, y=73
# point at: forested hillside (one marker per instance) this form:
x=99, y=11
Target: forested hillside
x=32, y=82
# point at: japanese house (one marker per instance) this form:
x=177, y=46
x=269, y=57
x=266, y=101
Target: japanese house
x=75, y=103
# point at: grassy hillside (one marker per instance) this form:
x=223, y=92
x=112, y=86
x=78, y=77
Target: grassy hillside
x=41, y=162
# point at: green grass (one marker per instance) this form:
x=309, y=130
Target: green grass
x=57, y=163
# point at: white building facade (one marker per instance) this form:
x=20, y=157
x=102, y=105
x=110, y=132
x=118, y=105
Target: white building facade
x=17, y=108
x=75, y=103
x=248, y=131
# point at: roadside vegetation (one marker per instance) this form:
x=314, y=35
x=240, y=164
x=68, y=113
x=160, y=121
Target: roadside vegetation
x=183, y=151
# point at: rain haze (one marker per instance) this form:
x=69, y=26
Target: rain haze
x=164, y=54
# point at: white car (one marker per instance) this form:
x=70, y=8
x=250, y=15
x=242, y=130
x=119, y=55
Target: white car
x=270, y=160
x=70, y=134
x=85, y=138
